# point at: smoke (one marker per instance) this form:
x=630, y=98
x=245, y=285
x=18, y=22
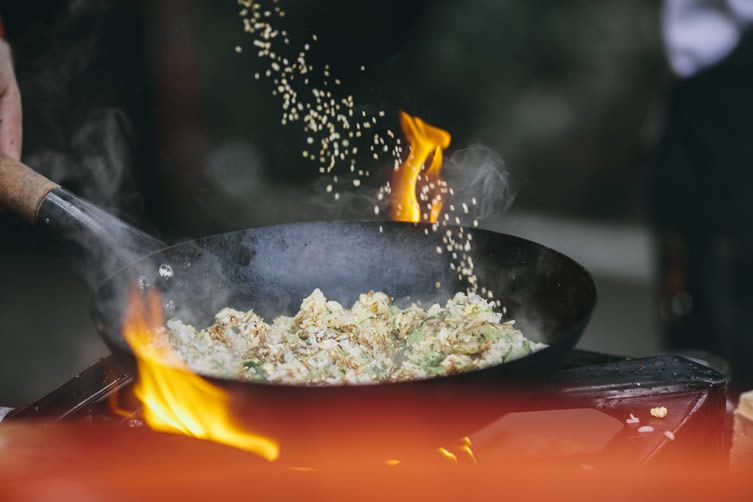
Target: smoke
x=481, y=186
x=71, y=42
x=479, y=179
x=83, y=142
x=97, y=167
x=97, y=163
x=343, y=201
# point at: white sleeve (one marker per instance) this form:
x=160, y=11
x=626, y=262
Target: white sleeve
x=700, y=33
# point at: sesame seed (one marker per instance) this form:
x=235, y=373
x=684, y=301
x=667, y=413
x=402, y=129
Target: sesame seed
x=327, y=120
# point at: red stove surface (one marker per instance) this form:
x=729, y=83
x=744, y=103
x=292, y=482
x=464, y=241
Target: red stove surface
x=581, y=415
x=92, y=462
x=566, y=438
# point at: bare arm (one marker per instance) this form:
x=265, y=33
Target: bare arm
x=11, y=123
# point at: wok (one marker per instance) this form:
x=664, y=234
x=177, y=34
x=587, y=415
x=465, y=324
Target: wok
x=271, y=269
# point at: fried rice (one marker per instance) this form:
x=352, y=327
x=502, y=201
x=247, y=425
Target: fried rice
x=373, y=341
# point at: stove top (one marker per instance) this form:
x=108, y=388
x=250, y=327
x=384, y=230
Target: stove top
x=594, y=405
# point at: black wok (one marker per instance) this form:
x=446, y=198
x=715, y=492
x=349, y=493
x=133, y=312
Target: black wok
x=272, y=269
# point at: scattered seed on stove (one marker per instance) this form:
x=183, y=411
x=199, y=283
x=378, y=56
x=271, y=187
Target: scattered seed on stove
x=659, y=412
x=632, y=420
x=669, y=435
x=645, y=429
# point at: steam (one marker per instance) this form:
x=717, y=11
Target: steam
x=88, y=153
x=479, y=179
x=70, y=50
x=96, y=166
x=108, y=243
x=351, y=203
x=482, y=188
x=98, y=161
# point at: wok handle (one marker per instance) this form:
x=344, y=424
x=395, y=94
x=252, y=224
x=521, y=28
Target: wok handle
x=22, y=190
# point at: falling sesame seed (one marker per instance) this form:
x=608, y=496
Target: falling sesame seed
x=327, y=120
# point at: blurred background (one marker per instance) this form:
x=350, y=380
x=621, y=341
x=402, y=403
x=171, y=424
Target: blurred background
x=146, y=108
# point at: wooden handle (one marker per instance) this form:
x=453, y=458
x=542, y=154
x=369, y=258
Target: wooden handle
x=21, y=189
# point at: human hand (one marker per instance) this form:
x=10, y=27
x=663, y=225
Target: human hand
x=11, y=122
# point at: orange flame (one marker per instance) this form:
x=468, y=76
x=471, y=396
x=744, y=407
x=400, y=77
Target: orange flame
x=424, y=141
x=176, y=400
